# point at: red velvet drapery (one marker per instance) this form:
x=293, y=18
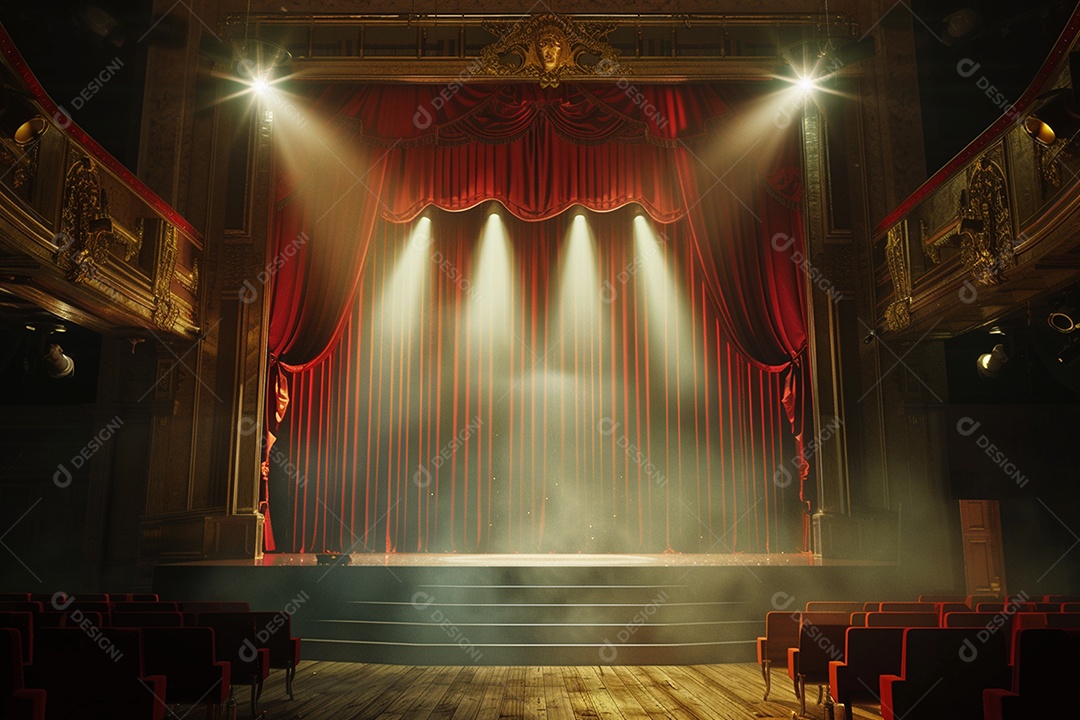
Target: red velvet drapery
x=538, y=152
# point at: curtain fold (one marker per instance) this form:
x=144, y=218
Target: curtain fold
x=539, y=152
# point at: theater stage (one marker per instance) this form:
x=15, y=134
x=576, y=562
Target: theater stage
x=528, y=609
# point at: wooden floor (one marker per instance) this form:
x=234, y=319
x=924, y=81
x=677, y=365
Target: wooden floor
x=352, y=691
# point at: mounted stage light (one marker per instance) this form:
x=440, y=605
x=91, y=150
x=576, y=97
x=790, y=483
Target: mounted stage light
x=259, y=62
x=991, y=364
x=57, y=363
x=1057, y=115
x=1062, y=322
x=19, y=119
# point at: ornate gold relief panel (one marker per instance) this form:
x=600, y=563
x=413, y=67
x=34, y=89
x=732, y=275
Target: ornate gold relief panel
x=986, y=231
x=898, y=314
x=550, y=48
x=87, y=232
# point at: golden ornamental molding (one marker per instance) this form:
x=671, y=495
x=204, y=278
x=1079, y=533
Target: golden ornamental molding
x=550, y=48
x=986, y=234
x=898, y=314
x=166, y=311
x=86, y=230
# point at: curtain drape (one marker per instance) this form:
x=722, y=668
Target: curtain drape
x=394, y=150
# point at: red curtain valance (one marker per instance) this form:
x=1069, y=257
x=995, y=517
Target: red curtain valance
x=670, y=148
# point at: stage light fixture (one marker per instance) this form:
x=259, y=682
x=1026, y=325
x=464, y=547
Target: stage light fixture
x=991, y=364
x=1062, y=322
x=57, y=363
x=996, y=330
x=1057, y=115
x=806, y=84
x=19, y=119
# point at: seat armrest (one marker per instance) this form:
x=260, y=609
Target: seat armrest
x=890, y=688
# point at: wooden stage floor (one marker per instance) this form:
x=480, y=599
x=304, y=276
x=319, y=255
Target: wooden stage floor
x=359, y=691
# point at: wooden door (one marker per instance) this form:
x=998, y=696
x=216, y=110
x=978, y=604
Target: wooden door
x=984, y=556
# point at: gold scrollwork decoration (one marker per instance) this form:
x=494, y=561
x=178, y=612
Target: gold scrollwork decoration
x=166, y=311
x=550, y=48
x=986, y=234
x=898, y=314
x=86, y=230
x=190, y=282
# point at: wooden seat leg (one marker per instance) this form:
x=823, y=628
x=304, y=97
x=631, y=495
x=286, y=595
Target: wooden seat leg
x=290, y=673
x=766, y=675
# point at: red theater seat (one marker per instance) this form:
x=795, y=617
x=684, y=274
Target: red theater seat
x=908, y=607
x=821, y=640
x=14, y=597
x=155, y=606
x=943, y=598
x=781, y=632
x=146, y=619
x=23, y=622
x=17, y=702
x=1048, y=660
x=213, y=606
x=185, y=656
x=96, y=675
x=815, y=606
x=273, y=631
x=20, y=606
x=902, y=619
x=944, y=672
x=235, y=643
x=869, y=653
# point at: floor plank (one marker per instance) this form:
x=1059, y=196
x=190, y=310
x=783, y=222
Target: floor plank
x=392, y=692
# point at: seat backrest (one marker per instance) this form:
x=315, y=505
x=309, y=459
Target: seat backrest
x=11, y=662
x=960, y=655
x=273, y=630
x=968, y=619
x=901, y=619
x=232, y=630
x=15, y=597
x=1063, y=620
x=871, y=606
x=869, y=654
x=1070, y=607
x=781, y=632
x=908, y=607
x=23, y=623
x=857, y=619
x=1047, y=660
x=826, y=618
x=202, y=606
x=943, y=598
x=833, y=606
x=144, y=607
x=20, y=606
x=819, y=644
x=146, y=619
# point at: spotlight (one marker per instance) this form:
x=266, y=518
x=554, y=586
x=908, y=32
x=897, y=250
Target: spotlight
x=259, y=62
x=1071, y=354
x=991, y=364
x=996, y=330
x=1061, y=322
x=58, y=364
x=1058, y=113
x=19, y=119
x=870, y=337
x=806, y=84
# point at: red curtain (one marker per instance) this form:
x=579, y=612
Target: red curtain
x=538, y=152
x=509, y=390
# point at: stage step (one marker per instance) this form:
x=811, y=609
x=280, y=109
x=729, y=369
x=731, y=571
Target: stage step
x=529, y=616
x=542, y=614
